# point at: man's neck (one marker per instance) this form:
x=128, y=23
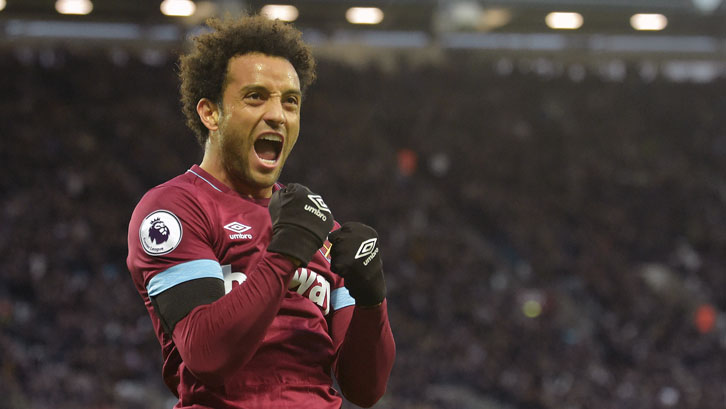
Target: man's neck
x=212, y=164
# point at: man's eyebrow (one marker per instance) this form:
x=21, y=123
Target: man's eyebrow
x=262, y=88
x=252, y=87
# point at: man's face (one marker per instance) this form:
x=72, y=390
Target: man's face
x=260, y=120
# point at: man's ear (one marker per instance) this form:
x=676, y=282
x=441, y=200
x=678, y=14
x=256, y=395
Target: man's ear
x=208, y=113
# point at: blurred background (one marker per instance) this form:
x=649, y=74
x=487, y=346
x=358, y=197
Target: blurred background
x=548, y=178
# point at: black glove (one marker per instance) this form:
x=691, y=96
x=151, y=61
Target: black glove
x=355, y=256
x=300, y=222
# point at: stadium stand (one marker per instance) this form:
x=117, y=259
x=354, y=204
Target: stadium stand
x=550, y=240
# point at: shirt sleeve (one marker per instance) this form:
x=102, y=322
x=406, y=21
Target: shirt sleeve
x=169, y=241
x=366, y=352
x=215, y=340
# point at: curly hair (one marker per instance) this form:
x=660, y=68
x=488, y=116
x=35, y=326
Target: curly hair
x=203, y=71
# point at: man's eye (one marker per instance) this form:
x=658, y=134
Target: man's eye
x=292, y=100
x=254, y=95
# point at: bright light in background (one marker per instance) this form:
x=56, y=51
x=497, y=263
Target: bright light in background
x=495, y=18
x=280, y=12
x=564, y=21
x=465, y=14
x=2, y=4
x=650, y=22
x=364, y=15
x=532, y=308
x=80, y=7
x=532, y=302
x=178, y=8
x=470, y=15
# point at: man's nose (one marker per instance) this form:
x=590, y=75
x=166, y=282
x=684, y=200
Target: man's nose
x=275, y=114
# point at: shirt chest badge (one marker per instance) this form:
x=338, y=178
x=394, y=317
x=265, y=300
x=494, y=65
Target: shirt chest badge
x=240, y=231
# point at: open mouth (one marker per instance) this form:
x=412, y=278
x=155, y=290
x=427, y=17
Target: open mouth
x=268, y=148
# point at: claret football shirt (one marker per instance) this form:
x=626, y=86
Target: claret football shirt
x=195, y=227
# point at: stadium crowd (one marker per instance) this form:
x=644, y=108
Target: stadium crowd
x=549, y=240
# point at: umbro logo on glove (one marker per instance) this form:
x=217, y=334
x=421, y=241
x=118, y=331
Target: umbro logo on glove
x=319, y=208
x=367, y=248
x=298, y=228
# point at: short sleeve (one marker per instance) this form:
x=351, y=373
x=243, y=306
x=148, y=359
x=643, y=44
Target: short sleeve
x=170, y=240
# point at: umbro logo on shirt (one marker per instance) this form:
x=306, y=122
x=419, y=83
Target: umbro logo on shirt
x=239, y=229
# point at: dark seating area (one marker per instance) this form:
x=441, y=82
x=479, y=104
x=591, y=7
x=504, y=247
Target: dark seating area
x=551, y=238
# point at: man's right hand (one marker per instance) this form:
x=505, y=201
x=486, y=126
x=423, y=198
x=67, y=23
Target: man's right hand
x=301, y=222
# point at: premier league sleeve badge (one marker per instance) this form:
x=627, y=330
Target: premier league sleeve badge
x=160, y=232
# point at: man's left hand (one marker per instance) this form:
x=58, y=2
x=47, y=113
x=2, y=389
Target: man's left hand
x=356, y=257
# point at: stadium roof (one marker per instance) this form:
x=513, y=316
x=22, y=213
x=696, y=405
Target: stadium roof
x=693, y=27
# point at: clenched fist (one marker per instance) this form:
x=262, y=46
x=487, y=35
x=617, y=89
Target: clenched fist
x=356, y=257
x=300, y=222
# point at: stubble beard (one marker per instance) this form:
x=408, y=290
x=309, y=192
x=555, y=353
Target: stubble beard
x=236, y=159
x=237, y=162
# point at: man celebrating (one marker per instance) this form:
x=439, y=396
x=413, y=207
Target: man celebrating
x=253, y=303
